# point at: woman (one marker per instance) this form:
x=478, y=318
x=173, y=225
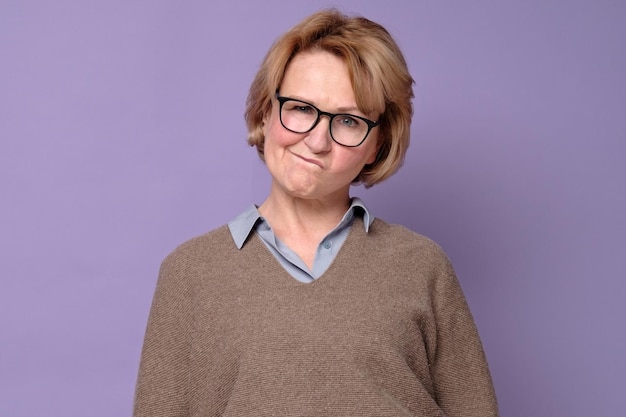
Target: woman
x=307, y=305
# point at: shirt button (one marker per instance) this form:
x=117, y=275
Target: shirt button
x=326, y=245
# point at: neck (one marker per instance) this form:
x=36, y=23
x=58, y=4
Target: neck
x=315, y=217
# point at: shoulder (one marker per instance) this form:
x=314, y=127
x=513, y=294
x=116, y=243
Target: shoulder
x=408, y=251
x=401, y=239
x=200, y=249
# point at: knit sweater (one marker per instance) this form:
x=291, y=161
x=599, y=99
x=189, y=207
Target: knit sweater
x=385, y=331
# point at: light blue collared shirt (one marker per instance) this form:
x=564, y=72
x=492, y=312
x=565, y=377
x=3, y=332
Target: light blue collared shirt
x=251, y=220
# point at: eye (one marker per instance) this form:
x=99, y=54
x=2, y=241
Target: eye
x=348, y=121
x=304, y=109
x=298, y=107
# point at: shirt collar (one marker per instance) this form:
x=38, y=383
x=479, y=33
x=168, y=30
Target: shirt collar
x=241, y=226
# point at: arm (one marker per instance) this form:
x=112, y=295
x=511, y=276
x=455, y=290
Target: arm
x=462, y=381
x=162, y=387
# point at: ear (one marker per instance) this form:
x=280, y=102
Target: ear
x=265, y=122
x=373, y=155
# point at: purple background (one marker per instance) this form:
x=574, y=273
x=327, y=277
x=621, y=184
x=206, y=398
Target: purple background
x=122, y=135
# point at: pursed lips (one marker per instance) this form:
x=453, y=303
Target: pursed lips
x=309, y=160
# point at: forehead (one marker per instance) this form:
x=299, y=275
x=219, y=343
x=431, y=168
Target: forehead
x=319, y=77
x=359, y=74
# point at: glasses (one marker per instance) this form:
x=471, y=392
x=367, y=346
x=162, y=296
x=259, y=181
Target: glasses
x=301, y=117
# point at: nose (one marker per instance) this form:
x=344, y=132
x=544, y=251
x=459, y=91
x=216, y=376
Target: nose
x=318, y=139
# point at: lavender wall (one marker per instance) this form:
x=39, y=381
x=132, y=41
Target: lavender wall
x=121, y=135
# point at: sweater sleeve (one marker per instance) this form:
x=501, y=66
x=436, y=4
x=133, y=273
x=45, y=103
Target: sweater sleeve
x=162, y=387
x=462, y=381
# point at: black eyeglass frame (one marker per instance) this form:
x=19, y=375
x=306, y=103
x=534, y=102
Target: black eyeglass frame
x=331, y=116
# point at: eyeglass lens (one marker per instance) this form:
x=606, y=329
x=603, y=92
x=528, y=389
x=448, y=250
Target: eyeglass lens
x=301, y=117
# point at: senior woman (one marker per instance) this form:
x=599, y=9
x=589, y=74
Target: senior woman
x=307, y=305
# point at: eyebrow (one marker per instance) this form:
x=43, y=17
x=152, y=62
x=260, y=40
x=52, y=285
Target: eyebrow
x=349, y=109
x=339, y=110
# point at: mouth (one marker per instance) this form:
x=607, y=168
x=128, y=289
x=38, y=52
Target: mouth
x=309, y=160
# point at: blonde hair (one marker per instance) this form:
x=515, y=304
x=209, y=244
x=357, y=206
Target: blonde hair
x=379, y=75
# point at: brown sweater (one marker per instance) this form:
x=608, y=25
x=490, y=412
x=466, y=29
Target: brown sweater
x=386, y=331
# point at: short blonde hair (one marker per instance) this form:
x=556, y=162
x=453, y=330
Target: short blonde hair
x=379, y=75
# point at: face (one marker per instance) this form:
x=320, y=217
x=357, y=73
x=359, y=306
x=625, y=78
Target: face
x=311, y=165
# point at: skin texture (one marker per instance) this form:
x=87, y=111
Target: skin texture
x=311, y=174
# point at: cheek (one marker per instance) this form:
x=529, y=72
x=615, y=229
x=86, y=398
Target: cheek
x=276, y=135
x=354, y=159
x=350, y=163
